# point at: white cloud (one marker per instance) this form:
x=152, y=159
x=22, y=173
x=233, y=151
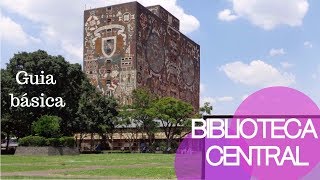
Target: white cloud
x=277, y=52
x=188, y=23
x=13, y=33
x=269, y=14
x=61, y=22
x=226, y=15
x=211, y=100
x=215, y=100
x=73, y=50
x=225, y=99
x=308, y=44
x=316, y=74
x=286, y=65
x=202, y=88
x=257, y=73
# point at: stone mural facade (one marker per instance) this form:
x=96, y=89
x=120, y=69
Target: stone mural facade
x=128, y=46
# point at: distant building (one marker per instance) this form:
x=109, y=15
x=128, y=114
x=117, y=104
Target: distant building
x=127, y=46
x=129, y=137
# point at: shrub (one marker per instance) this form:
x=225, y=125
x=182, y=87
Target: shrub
x=159, y=146
x=53, y=142
x=67, y=141
x=33, y=141
x=47, y=126
x=42, y=141
x=174, y=146
x=163, y=146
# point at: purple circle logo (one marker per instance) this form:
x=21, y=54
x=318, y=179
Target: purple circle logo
x=272, y=135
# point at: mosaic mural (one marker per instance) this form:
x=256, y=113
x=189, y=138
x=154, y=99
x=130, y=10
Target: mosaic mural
x=168, y=62
x=109, y=43
x=165, y=16
x=128, y=46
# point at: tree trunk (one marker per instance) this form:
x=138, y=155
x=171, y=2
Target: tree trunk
x=80, y=141
x=168, y=144
x=92, y=143
x=103, y=141
x=151, y=138
x=8, y=141
x=77, y=144
x=110, y=140
x=130, y=146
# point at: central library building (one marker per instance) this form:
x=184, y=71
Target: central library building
x=129, y=46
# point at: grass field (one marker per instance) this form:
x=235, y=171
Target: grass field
x=89, y=166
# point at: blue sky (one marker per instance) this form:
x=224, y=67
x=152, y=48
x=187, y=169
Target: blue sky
x=245, y=45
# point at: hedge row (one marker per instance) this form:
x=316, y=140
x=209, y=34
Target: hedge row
x=42, y=141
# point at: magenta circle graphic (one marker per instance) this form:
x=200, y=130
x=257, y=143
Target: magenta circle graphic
x=277, y=107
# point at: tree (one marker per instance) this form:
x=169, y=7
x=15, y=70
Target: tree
x=206, y=108
x=47, y=126
x=69, y=79
x=83, y=120
x=142, y=101
x=97, y=114
x=130, y=126
x=137, y=115
x=10, y=125
x=106, y=118
x=7, y=127
x=173, y=114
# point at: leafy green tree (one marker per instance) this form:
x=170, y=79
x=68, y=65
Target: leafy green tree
x=47, y=126
x=10, y=124
x=7, y=129
x=10, y=116
x=206, y=108
x=137, y=115
x=98, y=115
x=130, y=126
x=69, y=79
x=173, y=114
x=83, y=120
x=107, y=117
x=142, y=101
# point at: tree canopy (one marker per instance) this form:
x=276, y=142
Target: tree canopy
x=69, y=79
x=85, y=110
x=137, y=115
x=47, y=126
x=173, y=113
x=142, y=102
x=206, y=108
x=96, y=114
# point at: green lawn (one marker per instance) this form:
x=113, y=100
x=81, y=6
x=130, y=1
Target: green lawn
x=162, y=172
x=35, y=177
x=150, y=166
x=19, y=168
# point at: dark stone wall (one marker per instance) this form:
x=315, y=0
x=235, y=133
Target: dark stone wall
x=165, y=16
x=45, y=151
x=168, y=62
